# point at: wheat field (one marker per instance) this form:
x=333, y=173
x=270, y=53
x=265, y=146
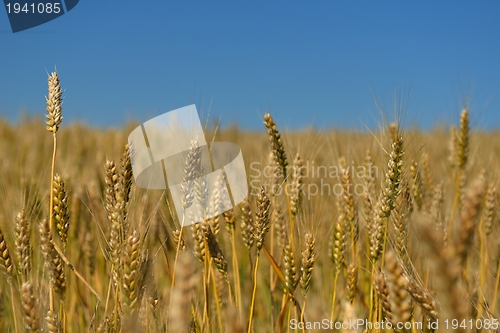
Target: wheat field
x=342, y=231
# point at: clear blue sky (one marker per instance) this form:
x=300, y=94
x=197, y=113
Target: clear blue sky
x=316, y=62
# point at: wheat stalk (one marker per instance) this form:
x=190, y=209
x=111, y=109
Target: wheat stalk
x=191, y=171
x=53, y=120
x=262, y=226
x=337, y=255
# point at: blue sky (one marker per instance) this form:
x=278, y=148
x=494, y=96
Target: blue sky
x=321, y=63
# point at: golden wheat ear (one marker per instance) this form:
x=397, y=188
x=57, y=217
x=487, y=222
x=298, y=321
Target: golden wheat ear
x=423, y=298
x=308, y=260
x=290, y=269
x=131, y=269
x=54, y=103
x=277, y=144
x=23, y=246
x=247, y=224
x=61, y=210
x=214, y=249
x=30, y=310
x=5, y=259
x=52, y=260
x=262, y=221
x=261, y=228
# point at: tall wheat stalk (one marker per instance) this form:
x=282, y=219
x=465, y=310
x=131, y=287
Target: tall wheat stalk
x=54, y=119
x=192, y=164
x=262, y=225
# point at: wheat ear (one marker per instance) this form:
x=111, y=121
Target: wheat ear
x=192, y=166
x=486, y=223
x=8, y=268
x=61, y=211
x=399, y=299
x=277, y=144
x=29, y=308
x=461, y=153
x=308, y=260
x=53, y=121
x=262, y=226
x=131, y=271
x=23, y=246
x=337, y=255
